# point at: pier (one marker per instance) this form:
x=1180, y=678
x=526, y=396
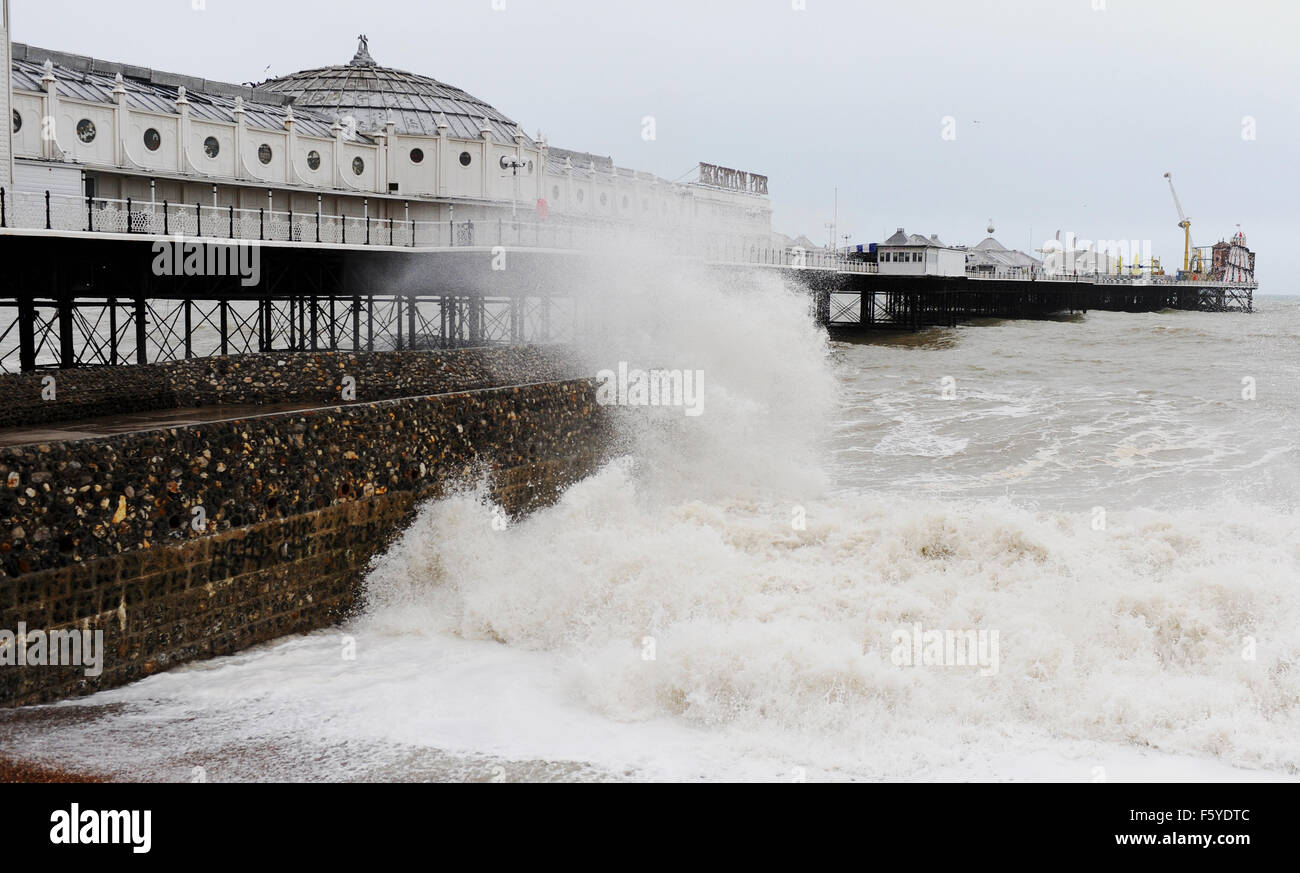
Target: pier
x=87, y=290
x=858, y=302
x=852, y=297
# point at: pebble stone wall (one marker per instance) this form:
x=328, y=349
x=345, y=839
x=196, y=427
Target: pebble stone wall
x=188, y=542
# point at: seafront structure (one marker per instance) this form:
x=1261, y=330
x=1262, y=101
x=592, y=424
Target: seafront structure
x=1231, y=261
x=910, y=254
x=357, y=140
x=990, y=257
x=372, y=195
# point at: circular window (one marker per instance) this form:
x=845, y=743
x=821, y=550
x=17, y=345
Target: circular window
x=18, y=121
x=417, y=155
x=465, y=159
x=264, y=153
x=581, y=195
x=313, y=159
x=86, y=130
x=152, y=139
x=358, y=166
x=211, y=147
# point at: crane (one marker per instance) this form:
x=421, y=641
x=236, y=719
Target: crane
x=1183, y=222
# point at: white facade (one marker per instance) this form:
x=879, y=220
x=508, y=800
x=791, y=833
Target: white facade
x=912, y=255
x=126, y=132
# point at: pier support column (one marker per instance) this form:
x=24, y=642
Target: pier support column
x=66, y=304
x=476, y=304
x=410, y=321
x=26, y=331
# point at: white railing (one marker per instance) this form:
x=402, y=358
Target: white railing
x=793, y=258
x=1104, y=279
x=35, y=210
x=59, y=212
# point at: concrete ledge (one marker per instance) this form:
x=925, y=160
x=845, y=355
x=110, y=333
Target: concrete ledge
x=273, y=377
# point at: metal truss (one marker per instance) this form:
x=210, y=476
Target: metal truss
x=84, y=332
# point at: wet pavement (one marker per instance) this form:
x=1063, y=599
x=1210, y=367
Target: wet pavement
x=159, y=419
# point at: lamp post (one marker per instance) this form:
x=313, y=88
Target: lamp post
x=513, y=164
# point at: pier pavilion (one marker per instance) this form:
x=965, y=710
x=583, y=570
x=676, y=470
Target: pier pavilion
x=989, y=256
x=375, y=197
x=354, y=139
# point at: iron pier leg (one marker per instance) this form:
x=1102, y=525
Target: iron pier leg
x=141, y=332
x=26, y=331
x=112, y=331
x=224, y=310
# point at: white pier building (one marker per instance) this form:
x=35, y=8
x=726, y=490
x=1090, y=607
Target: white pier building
x=351, y=142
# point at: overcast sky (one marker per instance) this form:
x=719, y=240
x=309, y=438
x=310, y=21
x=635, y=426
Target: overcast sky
x=1079, y=111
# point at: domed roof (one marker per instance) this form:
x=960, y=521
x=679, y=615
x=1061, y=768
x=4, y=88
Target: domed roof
x=366, y=91
x=989, y=244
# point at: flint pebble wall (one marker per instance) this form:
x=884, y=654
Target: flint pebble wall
x=189, y=542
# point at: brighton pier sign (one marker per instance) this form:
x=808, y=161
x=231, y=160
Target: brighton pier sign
x=732, y=180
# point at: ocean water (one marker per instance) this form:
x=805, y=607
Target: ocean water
x=1113, y=494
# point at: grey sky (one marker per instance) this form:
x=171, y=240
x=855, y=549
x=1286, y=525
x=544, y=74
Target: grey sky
x=1079, y=111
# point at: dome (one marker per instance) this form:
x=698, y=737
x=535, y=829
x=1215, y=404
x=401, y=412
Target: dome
x=366, y=91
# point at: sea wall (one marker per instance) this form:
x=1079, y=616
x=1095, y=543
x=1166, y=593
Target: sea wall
x=189, y=542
